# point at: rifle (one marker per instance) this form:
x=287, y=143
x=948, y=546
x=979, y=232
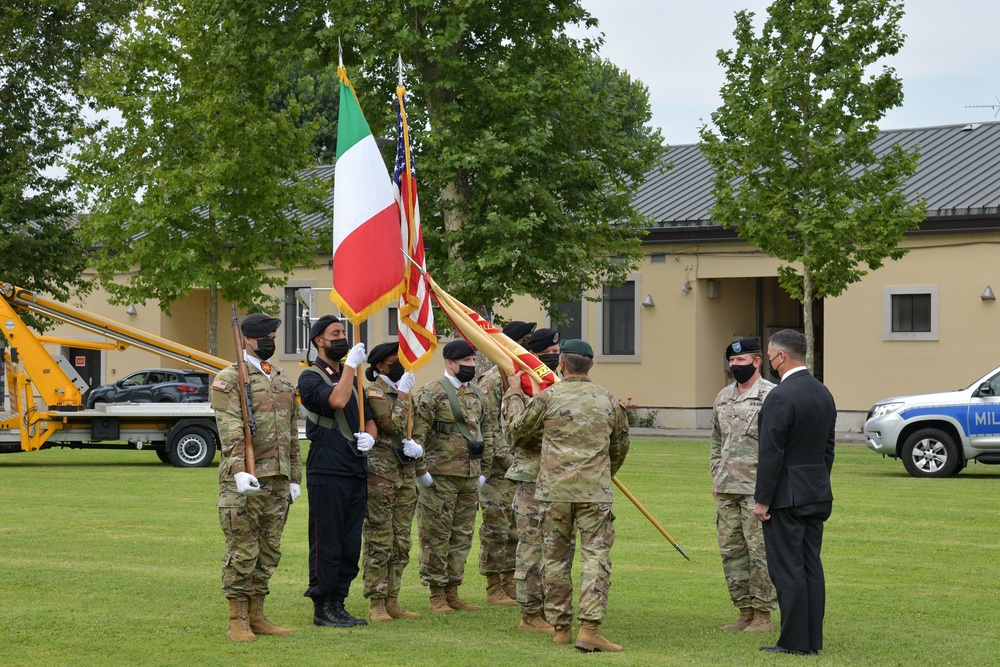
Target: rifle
x=246, y=405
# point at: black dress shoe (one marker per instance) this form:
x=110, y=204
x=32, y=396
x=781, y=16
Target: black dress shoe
x=337, y=610
x=779, y=649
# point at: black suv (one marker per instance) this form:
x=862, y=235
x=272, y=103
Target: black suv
x=154, y=385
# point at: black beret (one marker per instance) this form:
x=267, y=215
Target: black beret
x=381, y=351
x=458, y=349
x=517, y=330
x=258, y=325
x=542, y=339
x=577, y=346
x=320, y=325
x=742, y=346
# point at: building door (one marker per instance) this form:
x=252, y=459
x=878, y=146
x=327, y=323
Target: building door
x=88, y=364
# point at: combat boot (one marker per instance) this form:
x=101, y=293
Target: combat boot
x=393, y=609
x=495, y=593
x=239, y=626
x=536, y=623
x=439, y=602
x=323, y=615
x=377, y=612
x=745, y=619
x=259, y=622
x=337, y=609
x=589, y=639
x=455, y=602
x=761, y=622
x=509, y=585
x=563, y=634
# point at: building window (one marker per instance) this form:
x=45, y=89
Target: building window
x=618, y=318
x=393, y=328
x=570, y=324
x=910, y=313
x=298, y=304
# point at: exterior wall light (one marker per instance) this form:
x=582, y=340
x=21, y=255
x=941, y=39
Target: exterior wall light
x=988, y=294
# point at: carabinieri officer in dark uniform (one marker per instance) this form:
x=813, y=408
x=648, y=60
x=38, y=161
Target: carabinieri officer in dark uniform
x=336, y=470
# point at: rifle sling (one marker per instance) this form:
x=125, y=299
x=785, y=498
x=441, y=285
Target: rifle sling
x=456, y=411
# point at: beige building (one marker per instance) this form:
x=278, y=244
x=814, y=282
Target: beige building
x=925, y=323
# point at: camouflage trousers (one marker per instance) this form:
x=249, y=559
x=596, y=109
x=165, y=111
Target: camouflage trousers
x=741, y=543
x=596, y=523
x=389, y=518
x=446, y=519
x=252, y=525
x=498, y=530
x=530, y=549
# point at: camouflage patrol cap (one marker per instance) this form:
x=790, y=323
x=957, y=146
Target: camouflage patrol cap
x=258, y=325
x=517, y=329
x=542, y=339
x=457, y=349
x=742, y=346
x=577, y=346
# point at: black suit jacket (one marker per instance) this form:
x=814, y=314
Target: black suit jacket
x=797, y=427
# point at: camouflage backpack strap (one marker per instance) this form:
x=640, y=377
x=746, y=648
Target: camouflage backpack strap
x=456, y=411
x=340, y=422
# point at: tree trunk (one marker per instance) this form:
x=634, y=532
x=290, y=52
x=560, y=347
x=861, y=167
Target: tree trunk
x=213, y=320
x=807, y=316
x=454, y=216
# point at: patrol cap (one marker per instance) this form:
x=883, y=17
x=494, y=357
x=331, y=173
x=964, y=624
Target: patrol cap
x=258, y=325
x=320, y=325
x=542, y=339
x=381, y=351
x=742, y=346
x=457, y=349
x=577, y=346
x=517, y=329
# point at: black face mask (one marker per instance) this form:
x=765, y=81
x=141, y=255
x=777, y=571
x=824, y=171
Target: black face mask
x=775, y=374
x=465, y=374
x=395, y=371
x=337, y=349
x=550, y=360
x=743, y=373
x=265, y=348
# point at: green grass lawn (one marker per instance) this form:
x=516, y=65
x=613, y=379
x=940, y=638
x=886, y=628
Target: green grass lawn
x=112, y=558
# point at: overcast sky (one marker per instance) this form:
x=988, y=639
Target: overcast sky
x=951, y=58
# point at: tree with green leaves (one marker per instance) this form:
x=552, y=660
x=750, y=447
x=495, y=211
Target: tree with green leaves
x=42, y=51
x=795, y=172
x=202, y=182
x=530, y=147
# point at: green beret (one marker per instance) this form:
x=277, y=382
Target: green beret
x=577, y=346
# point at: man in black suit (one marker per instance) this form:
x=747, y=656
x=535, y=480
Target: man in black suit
x=793, y=492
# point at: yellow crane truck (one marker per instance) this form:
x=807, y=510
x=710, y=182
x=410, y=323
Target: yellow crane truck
x=183, y=434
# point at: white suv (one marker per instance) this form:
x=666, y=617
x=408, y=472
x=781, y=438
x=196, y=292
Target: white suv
x=936, y=435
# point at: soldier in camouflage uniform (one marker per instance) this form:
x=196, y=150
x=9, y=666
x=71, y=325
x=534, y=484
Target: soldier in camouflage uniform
x=585, y=439
x=498, y=530
x=392, y=489
x=527, y=510
x=458, y=451
x=253, y=508
x=733, y=462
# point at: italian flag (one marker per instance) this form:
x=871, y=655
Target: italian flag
x=368, y=263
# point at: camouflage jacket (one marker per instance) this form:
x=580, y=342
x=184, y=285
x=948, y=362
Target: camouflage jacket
x=585, y=439
x=448, y=453
x=276, y=412
x=492, y=385
x=735, y=418
x=527, y=455
x=389, y=413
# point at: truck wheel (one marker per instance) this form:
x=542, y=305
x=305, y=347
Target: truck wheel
x=191, y=447
x=930, y=452
x=163, y=455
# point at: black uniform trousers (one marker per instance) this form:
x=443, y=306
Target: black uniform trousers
x=793, y=537
x=336, y=515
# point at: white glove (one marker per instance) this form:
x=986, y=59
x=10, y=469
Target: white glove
x=356, y=356
x=246, y=483
x=425, y=480
x=406, y=383
x=295, y=490
x=365, y=441
x=482, y=480
x=412, y=448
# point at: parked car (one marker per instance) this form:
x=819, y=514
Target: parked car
x=154, y=385
x=936, y=435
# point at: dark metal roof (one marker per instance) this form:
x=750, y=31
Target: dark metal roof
x=323, y=220
x=958, y=174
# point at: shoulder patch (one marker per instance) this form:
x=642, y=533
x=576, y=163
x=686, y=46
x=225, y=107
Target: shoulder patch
x=220, y=384
x=376, y=393
x=485, y=390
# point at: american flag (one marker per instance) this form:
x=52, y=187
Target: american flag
x=417, y=335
